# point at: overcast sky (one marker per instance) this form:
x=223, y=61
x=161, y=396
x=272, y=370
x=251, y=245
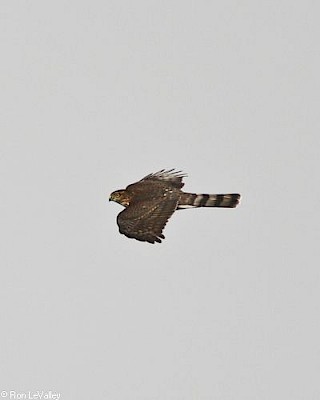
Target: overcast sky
x=94, y=96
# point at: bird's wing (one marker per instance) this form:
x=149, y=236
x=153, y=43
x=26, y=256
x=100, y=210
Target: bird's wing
x=171, y=176
x=145, y=220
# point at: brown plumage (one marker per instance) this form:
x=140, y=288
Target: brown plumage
x=150, y=202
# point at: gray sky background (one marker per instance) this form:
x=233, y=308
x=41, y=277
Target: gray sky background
x=97, y=94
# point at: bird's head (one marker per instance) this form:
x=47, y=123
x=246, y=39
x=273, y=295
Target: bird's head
x=121, y=197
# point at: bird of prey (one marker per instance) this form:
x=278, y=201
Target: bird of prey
x=150, y=202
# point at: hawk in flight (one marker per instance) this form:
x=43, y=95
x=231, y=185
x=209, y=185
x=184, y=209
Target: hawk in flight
x=150, y=202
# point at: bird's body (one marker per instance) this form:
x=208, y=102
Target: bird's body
x=150, y=202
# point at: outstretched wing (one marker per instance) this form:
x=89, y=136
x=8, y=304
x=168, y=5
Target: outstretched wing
x=145, y=220
x=170, y=176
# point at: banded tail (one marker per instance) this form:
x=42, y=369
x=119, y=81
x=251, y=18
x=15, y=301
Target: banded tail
x=189, y=200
